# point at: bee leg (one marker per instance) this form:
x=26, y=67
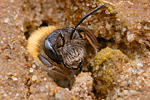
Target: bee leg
x=60, y=77
x=90, y=38
x=44, y=60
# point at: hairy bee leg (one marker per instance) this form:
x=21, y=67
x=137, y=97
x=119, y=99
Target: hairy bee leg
x=90, y=38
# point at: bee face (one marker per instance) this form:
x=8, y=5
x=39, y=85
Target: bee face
x=68, y=52
x=63, y=46
x=73, y=53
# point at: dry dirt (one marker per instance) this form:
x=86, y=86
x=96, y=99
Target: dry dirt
x=121, y=24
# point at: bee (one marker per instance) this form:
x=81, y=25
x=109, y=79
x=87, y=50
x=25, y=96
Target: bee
x=61, y=52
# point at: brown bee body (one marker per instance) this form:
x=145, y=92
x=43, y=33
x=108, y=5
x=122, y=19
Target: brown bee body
x=60, y=51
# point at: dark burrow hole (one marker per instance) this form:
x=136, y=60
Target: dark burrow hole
x=26, y=34
x=30, y=28
x=44, y=23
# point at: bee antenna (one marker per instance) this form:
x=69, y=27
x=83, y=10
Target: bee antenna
x=84, y=19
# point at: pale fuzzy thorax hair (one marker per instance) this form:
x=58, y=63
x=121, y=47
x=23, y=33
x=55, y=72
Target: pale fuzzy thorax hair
x=36, y=37
x=73, y=52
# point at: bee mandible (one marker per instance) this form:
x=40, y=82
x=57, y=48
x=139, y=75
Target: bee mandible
x=61, y=52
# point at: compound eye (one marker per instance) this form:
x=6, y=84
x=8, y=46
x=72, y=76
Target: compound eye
x=51, y=53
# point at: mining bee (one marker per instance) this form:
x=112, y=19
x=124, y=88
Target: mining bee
x=61, y=52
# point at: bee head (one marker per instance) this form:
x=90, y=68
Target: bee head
x=73, y=52
x=67, y=46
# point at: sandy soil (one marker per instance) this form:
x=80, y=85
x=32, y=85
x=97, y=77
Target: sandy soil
x=122, y=25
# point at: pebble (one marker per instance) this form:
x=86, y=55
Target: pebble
x=133, y=92
x=124, y=29
x=17, y=94
x=14, y=78
x=139, y=63
x=33, y=66
x=107, y=12
x=42, y=89
x=34, y=77
x=45, y=78
x=139, y=26
x=130, y=37
x=46, y=86
x=4, y=38
x=11, y=1
x=6, y=20
x=4, y=94
x=31, y=70
x=125, y=92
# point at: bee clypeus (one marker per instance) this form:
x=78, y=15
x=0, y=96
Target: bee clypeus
x=61, y=51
